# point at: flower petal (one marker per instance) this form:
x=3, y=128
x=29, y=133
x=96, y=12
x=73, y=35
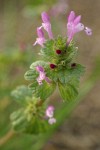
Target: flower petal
x=40, y=41
x=40, y=33
x=39, y=81
x=35, y=43
x=70, y=38
x=50, y=111
x=77, y=20
x=47, y=27
x=88, y=31
x=79, y=27
x=42, y=75
x=47, y=80
x=39, y=69
x=45, y=17
x=52, y=121
x=71, y=16
x=69, y=28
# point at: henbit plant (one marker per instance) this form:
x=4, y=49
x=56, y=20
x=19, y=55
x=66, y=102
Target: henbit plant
x=57, y=69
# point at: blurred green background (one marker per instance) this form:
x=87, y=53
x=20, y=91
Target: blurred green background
x=18, y=22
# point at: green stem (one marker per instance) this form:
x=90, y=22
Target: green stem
x=7, y=137
x=39, y=103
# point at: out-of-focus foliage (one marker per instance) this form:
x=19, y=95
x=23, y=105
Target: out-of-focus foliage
x=18, y=21
x=16, y=51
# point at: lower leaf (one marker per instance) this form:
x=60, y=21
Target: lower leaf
x=42, y=91
x=68, y=91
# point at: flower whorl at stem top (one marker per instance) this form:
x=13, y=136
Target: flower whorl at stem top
x=42, y=75
x=50, y=114
x=74, y=26
x=41, y=39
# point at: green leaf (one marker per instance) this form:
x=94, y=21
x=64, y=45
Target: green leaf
x=52, y=74
x=43, y=91
x=60, y=43
x=69, y=91
x=48, y=50
x=77, y=71
x=71, y=52
x=67, y=74
x=21, y=122
x=36, y=126
x=64, y=76
x=18, y=120
x=21, y=93
x=31, y=74
x=38, y=63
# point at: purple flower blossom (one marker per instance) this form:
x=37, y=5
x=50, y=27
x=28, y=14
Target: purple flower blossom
x=42, y=75
x=40, y=69
x=50, y=114
x=74, y=26
x=50, y=111
x=46, y=24
x=52, y=121
x=41, y=39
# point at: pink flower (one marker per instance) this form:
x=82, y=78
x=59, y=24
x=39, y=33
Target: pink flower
x=52, y=121
x=50, y=114
x=74, y=26
x=42, y=75
x=50, y=111
x=41, y=39
x=46, y=24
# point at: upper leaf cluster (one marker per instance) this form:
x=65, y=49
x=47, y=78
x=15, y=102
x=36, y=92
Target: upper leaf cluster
x=63, y=74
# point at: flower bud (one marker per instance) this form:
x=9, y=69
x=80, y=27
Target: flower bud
x=52, y=66
x=73, y=65
x=58, y=51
